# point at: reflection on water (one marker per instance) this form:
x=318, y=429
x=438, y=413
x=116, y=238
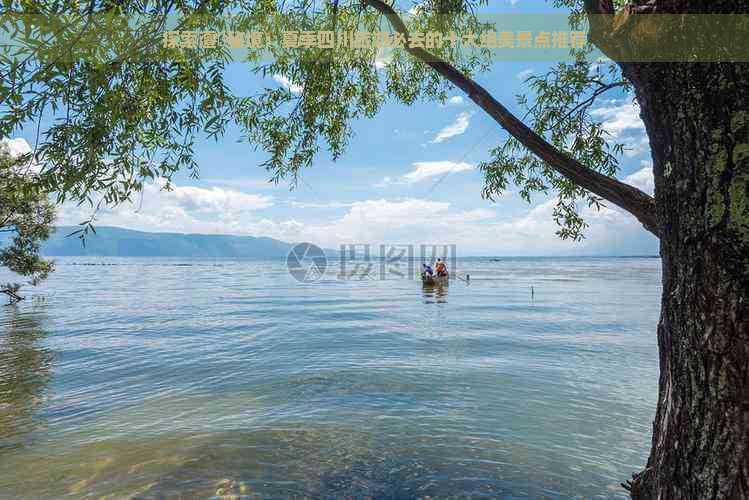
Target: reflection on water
x=24, y=373
x=435, y=293
x=232, y=378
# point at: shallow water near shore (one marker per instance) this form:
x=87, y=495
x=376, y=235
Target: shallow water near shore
x=166, y=378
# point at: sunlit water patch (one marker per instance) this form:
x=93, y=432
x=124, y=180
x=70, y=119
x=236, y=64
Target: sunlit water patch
x=162, y=378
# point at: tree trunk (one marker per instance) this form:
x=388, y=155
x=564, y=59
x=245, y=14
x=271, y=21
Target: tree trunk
x=697, y=118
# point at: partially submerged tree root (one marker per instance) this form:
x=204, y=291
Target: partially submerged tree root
x=641, y=485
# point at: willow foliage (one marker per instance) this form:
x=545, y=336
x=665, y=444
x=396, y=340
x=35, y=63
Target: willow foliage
x=115, y=121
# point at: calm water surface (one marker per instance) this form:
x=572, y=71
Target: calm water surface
x=167, y=378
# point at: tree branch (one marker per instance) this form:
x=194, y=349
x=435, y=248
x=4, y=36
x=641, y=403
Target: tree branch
x=600, y=16
x=621, y=194
x=587, y=103
x=12, y=295
x=605, y=7
x=611, y=31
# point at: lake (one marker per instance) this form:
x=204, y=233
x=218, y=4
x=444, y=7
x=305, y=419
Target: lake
x=166, y=378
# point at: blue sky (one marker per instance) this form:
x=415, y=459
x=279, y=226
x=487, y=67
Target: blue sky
x=408, y=176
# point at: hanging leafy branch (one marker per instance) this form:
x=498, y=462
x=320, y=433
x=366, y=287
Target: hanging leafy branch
x=118, y=121
x=559, y=111
x=26, y=220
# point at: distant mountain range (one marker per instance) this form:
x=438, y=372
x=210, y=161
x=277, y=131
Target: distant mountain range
x=118, y=242
x=112, y=241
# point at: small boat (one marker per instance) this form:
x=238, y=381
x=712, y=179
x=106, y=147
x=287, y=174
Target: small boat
x=434, y=280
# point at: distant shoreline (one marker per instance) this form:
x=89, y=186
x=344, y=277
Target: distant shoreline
x=116, y=242
x=359, y=258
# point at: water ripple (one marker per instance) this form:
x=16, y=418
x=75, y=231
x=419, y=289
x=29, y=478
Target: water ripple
x=164, y=377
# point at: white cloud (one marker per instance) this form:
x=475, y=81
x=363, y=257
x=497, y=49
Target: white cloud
x=385, y=182
x=643, y=178
x=19, y=147
x=618, y=118
x=246, y=184
x=331, y=204
x=455, y=100
x=412, y=221
x=15, y=147
x=288, y=84
x=457, y=128
x=426, y=169
x=635, y=146
x=384, y=56
x=476, y=215
x=611, y=231
x=524, y=74
x=216, y=200
x=397, y=213
x=476, y=231
x=183, y=209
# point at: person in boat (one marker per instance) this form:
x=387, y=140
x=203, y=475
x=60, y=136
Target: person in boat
x=441, y=268
x=427, y=270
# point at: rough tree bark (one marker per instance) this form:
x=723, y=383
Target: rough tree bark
x=697, y=119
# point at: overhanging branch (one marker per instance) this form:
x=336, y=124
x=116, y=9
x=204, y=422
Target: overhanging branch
x=629, y=198
x=12, y=295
